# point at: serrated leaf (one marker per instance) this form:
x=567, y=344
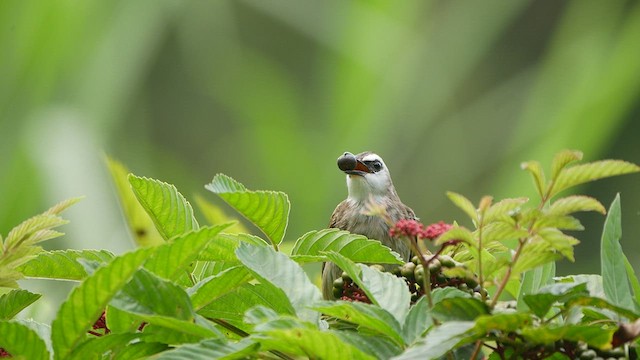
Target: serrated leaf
x=507, y=322
x=377, y=346
x=456, y=233
x=503, y=208
x=209, y=289
x=614, y=273
x=417, y=322
x=383, y=289
x=224, y=246
x=232, y=306
x=268, y=210
x=175, y=257
x=22, y=342
x=438, y=341
x=580, y=174
x=140, y=224
x=160, y=302
x=306, y=341
x=539, y=180
x=278, y=269
x=15, y=301
x=599, y=303
x=213, y=349
x=170, y=211
x=559, y=241
x=570, y=204
x=140, y=350
x=29, y=232
x=533, y=280
x=87, y=301
x=366, y=316
x=464, y=204
x=501, y=231
x=95, y=348
x=596, y=336
x=358, y=248
x=62, y=264
x=147, y=294
x=214, y=215
x=558, y=222
x=459, y=309
x=541, y=302
x=562, y=159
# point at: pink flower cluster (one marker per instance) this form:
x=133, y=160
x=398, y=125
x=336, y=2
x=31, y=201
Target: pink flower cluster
x=413, y=228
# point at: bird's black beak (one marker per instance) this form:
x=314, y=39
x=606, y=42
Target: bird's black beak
x=352, y=166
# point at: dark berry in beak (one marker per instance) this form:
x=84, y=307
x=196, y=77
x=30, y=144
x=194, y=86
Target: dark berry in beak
x=347, y=162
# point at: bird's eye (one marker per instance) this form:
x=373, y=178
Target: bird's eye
x=377, y=166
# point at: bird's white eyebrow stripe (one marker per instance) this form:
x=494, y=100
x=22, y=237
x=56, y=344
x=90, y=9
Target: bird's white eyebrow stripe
x=371, y=157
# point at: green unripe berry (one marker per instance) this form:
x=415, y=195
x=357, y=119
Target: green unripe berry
x=347, y=279
x=407, y=270
x=447, y=261
x=338, y=283
x=377, y=267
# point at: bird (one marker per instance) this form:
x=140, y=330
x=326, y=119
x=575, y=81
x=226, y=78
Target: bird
x=368, y=181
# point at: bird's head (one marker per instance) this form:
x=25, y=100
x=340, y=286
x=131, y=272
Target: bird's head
x=367, y=176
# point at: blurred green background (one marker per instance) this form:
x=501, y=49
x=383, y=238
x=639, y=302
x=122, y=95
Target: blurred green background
x=453, y=94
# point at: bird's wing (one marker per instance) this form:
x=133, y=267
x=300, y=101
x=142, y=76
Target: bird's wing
x=337, y=218
x=410, y=214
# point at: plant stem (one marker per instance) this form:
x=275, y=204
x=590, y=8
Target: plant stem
x=476, y=350
x=505, y=280
x=426, y=282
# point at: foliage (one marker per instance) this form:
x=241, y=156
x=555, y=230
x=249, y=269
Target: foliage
x=201, y=292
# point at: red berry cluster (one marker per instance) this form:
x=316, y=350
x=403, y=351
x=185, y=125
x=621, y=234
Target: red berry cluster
x=4, y=353
x=413, y=228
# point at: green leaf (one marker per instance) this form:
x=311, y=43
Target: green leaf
x=175, y=257
x=160, y=302
x=366, y=316
x=214, y=215
x=570, y=204
x=170, y=211
x=140, y=350
x=535, y=169
x=268, y=210
x=278, y=269
x=541, y=302
x=95, y=348
x=224, y=246
x=232, y=306
x=459, y=309
x=140, y=224
x=464, y=204
x=22, y=342
x=417, y=322
x=213, y=349
x=507, y=322
x=378, y=346
x=533, y=280
x=599, y=303
x=633, y=280
x=62, y=264
x=596, y=336
x=87, y=301
x=614, y=273
x=212, y=287
x=503, y=208
x=383, y=289
x=440, y=340
x=456, y=233
x=15, y=301
x=358, y=248
x=562, y=159
x=580, y=174
x=292, y=337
